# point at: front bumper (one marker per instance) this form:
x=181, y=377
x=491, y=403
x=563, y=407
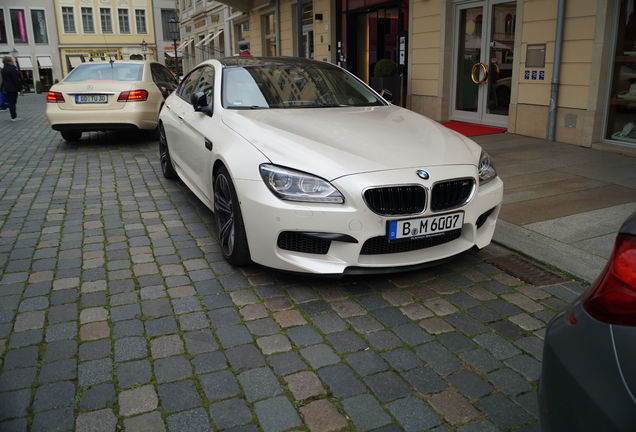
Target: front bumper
x=581, y=388
x=266, y=216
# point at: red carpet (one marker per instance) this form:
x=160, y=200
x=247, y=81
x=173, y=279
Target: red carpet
x=470, y=129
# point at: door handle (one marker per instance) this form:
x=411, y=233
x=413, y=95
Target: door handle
x=474, y=74
x=208, y=144
x=180, y=118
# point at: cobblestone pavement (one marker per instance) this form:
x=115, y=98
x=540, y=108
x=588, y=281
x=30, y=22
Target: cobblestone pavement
x=117, y=312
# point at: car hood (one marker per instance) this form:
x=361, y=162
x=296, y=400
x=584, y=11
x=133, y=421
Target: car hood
x=335, y=142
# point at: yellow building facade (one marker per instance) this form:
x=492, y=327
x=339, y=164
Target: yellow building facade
x=488, y=62
x=98, y=30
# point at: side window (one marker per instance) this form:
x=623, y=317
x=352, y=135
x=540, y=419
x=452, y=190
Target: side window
x=206, y=83
x=154, y=73
x=187, y=86
x=165, y=75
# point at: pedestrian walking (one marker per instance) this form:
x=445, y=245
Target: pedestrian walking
x=11, y=85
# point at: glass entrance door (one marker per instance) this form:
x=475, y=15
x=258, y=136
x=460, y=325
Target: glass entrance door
x=484, y=52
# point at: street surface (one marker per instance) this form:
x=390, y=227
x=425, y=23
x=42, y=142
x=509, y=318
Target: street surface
x=118, y=312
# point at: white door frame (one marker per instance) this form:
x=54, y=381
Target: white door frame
x=481, y=115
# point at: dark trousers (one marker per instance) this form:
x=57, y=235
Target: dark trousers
x=12, y=99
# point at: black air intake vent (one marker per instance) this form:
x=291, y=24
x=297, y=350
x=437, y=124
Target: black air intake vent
x=451, y=194
x=396, y=200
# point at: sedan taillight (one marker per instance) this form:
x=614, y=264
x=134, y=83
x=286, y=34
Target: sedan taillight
x=612, y=298
x=133, y=96
x=54, y=97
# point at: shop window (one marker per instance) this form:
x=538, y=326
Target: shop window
x=621, y=119
x=106, y=20
x=307, y=29
x=88, y=25
x=242, y=37
x=140, y=21
x=269, y=34
x=18, y=26
x=3, y=31
x=68, y=19
x=38, y=19
x=124, y=21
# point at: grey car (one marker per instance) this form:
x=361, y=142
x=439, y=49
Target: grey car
x=588, y=378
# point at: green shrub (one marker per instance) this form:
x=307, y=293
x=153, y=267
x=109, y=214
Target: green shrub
x=385, y=68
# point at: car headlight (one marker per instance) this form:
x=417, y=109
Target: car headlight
x=293, y=185
x=486, y=168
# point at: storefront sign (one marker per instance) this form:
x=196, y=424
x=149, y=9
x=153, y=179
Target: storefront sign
x=21, y=25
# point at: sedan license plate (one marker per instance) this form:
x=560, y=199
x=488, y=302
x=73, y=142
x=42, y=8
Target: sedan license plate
x=87, y=99
x=425, y=226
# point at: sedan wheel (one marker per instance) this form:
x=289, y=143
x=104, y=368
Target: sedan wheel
x=164, y=156
x=229, y=220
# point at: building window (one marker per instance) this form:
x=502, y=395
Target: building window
x=124, y=21
x=621, y=121
x=38, y=20
x=68, y=19
x=242, y=32
x=140, y=21
x=269, y=34
x=166, y=14
x=18, y=25
x=106, y=20
x=88, y=26
x=3, y=31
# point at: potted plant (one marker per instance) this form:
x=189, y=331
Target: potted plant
x=386, y=77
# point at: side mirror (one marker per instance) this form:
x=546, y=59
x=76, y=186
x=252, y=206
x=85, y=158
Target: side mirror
x=200, y=103
x=387, y=95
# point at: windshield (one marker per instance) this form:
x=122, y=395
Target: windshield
x=106, y=72
x=293, y=86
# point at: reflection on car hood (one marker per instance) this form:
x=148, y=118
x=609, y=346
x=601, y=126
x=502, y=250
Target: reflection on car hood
x=334, y=142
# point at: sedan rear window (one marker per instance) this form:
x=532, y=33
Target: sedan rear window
x=293, y=86
x=106, y=72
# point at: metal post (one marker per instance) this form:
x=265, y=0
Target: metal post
x=176, y=59
x=299, y=26
x=554, y=85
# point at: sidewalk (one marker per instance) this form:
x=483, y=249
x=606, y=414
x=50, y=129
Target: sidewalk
x=563, y=204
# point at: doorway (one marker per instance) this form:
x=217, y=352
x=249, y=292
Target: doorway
x=483, y=61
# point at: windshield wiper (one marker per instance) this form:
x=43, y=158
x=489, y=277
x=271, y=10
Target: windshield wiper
x=246, y=107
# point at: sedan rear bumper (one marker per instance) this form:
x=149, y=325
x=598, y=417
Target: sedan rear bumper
x=93, y=126
x=139, y=115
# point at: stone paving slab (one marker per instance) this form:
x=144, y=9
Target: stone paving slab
x=117, y=312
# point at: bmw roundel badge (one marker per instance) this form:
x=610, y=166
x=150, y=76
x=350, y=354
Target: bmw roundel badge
x=422, y=174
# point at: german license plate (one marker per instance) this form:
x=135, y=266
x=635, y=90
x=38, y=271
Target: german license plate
x=86, y=99
x=425, y=226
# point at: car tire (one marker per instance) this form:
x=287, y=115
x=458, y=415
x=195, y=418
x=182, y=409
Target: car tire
x=164, y=155
x=229, y=220
x=71, y=135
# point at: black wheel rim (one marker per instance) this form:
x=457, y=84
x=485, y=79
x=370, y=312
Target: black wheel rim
x=224, y=212
x=164, y=156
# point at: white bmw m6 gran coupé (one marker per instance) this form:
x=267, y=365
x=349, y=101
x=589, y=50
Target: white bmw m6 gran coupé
x=309, y=170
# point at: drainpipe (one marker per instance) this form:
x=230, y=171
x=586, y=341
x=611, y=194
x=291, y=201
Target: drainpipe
x=554, y=86
x=278, y=27
x=299, y=27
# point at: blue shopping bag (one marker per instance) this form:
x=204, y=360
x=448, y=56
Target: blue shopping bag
x=4, y=102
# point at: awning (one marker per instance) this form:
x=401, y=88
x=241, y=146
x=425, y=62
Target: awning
x=45, y=62
x=171, y=54
x=24, y=62
x=185, y=44
x=209, y=38
x=75, y=61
